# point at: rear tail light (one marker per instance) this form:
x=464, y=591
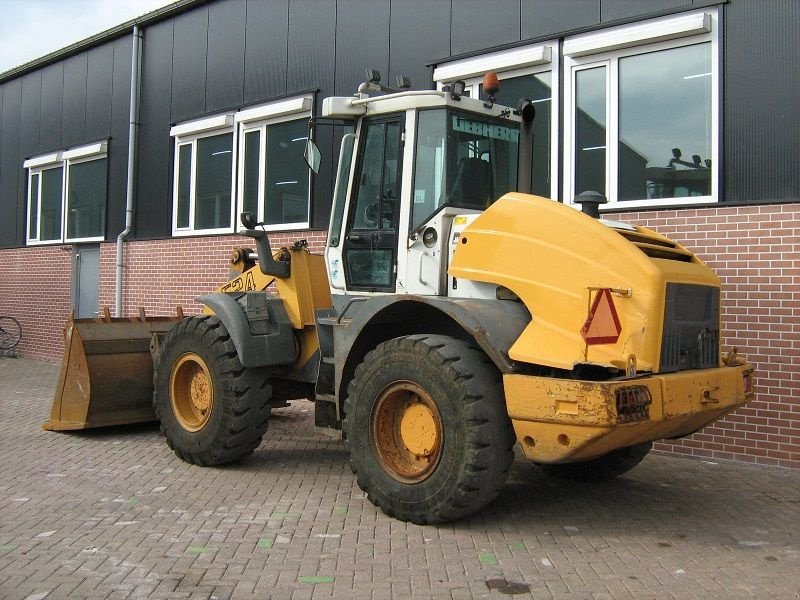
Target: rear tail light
x=633, y=402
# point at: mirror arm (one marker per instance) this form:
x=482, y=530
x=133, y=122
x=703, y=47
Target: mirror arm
x=266, y=262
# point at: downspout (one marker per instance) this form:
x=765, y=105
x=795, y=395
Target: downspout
x=133, y=130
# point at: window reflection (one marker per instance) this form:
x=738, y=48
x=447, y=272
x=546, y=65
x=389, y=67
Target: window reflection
x=252, y=159
x=213, y=185
x=665, y=124
x=50, y=217
x=86, y=199
x=590, y=130
x=286, y=185
x=538, y=89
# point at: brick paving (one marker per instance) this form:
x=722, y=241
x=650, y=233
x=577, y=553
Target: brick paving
x=114, y=514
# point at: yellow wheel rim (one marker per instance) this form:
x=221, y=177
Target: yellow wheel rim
x=191, y=391
x=406, y=432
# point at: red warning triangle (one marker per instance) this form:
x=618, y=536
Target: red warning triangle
x=602, y=325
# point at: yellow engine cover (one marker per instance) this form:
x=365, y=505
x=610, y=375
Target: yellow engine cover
x=555, y=258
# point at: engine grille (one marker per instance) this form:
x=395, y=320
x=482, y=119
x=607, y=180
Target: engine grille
x=656, y=247
x=691, y=328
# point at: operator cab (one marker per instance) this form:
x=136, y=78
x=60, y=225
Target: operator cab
x=419, y=166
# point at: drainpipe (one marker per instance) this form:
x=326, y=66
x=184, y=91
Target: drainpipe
x=133, y=130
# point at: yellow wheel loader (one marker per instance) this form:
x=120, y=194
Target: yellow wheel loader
x=452, y=315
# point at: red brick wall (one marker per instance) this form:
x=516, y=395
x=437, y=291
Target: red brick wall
x=755, y=250
x=35, y=289
x=160, y=275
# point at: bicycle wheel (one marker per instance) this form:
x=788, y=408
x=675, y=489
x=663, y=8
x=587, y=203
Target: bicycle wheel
x=10, y=333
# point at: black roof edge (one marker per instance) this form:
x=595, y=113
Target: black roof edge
x=117, y=31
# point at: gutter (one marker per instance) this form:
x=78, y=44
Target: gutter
x=133, y=134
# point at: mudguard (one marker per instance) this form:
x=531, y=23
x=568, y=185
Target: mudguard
x=259, y=327
x=494, y=324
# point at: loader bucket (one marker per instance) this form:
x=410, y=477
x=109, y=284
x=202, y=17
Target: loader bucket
x=107, y=373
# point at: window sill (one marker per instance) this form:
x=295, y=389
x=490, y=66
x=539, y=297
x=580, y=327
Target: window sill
x=640, y=205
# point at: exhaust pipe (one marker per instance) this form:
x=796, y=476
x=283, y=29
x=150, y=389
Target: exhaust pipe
x=590, y=203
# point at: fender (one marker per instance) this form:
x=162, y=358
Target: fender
x=273, y=344
x=494, y=324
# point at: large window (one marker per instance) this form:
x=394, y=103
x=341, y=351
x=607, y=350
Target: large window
x=248, y=161
x=642, y=113
x=67, y=195
x=273, y=175
x=638, y=120
x=203, y=192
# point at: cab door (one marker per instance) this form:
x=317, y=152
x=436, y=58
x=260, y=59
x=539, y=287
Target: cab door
x=370, y=242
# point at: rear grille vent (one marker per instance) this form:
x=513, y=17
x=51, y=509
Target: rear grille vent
x=656, y=247
x=691, y=328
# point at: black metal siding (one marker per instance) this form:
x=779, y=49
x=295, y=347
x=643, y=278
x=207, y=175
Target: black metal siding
x=479, y=24
x=542, y=18
x=614, y=10
x=312, y=42
x=761, y=91
x=225, y=63
x=99, y=87
x=73, y=124
x=419, y=28
x=11, y=228
x=153, y=197
x=52, y=102
x=30, y=116
x=362, y=35
x=189, y=64
x=266, y=47
x=311, y=64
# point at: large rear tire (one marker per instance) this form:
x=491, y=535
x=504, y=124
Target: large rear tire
x=212, y=410
x=603, y=468
x=427, y=429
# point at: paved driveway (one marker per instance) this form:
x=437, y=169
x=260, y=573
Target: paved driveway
x=114, y=514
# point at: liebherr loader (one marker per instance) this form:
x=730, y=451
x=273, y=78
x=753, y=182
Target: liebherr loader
x=452, y=315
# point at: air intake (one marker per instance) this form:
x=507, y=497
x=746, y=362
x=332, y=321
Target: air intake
x=691, y=328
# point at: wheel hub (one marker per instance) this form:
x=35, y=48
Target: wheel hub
x=191, y=391
x=418, y=429
x=406, y=432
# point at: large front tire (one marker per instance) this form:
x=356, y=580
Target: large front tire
x=212, y=410
x=603, y=468
x=427, y=429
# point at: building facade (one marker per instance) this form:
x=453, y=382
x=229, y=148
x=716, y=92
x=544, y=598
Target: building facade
x=125, y=159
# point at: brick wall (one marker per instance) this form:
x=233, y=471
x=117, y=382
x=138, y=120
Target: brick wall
x=35, y=289
x=755, y=251
x=160, y=275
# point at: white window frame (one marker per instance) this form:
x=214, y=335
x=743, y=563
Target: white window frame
x=509, y=64
x=258, y=119
x=187, y=134
x=606, y=48
x=37, y=165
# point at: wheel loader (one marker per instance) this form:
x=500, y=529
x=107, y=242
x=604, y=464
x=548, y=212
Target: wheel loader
x=452, y=316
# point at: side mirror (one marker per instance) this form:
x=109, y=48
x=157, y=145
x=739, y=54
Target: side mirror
x=249, y=220
x=312, y=156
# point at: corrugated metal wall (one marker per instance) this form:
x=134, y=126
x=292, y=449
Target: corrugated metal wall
x=230, y=53
x=762, y=90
